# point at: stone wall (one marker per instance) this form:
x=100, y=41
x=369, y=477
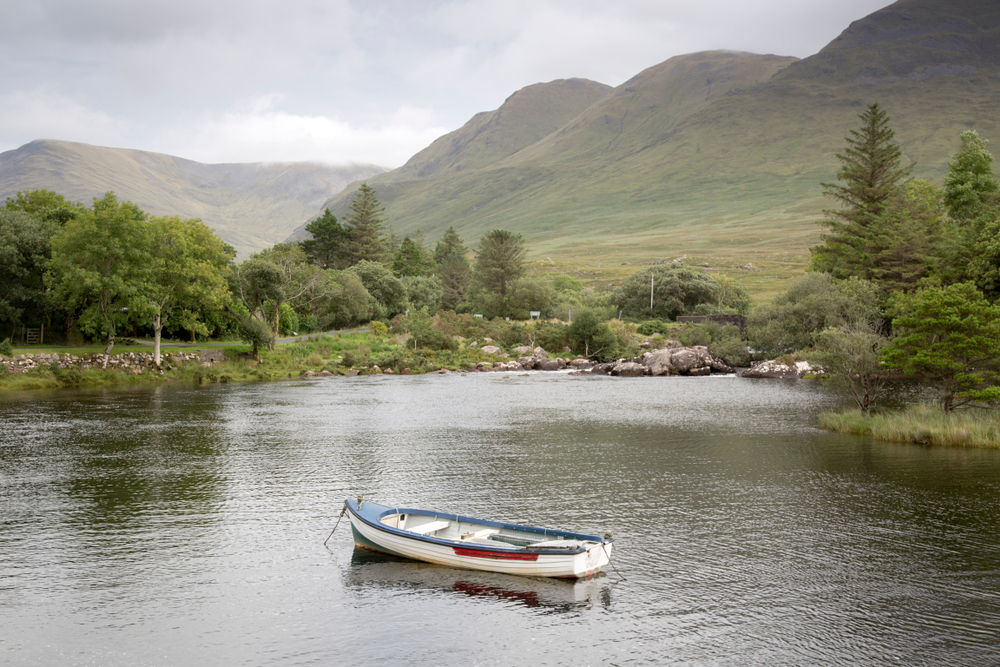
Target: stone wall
x=132, y=362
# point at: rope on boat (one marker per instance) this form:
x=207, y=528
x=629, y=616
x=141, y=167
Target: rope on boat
x=342, y=512
x=610, y=562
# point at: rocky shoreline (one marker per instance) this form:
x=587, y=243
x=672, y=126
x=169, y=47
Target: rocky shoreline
x=672, y=360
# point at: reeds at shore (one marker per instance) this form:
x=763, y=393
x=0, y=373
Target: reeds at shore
x=922, y=424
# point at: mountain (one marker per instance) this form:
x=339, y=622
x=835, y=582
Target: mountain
x=251, y=206
x=716, y=155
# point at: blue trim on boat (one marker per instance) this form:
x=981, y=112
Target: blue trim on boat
x=371, y=513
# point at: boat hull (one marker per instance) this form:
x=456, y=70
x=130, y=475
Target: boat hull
x=370, y=533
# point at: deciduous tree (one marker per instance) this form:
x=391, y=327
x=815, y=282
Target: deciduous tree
x=851, y=354
x=96, y=265
x=675, y=290
x=184, y=273
x=388, y=296
x=24, y=252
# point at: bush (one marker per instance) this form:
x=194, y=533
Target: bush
x=651, y=327
x=733, y=351
x=6, y=349
x=69, y=377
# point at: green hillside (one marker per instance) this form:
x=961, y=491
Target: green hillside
x=251, y=206
x=715, y=156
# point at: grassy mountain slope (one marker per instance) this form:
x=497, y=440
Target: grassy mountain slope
x=250, y=206
x=528, y=115
x=719, y=156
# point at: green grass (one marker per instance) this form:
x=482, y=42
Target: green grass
x=923, y=424
x=288, y=360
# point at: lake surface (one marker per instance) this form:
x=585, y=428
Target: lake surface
x=174, y=526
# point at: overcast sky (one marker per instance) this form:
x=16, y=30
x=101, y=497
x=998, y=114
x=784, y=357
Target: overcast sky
x=342, y=81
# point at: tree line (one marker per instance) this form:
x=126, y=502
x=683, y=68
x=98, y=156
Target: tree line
x=101, y=271
x=907, y=277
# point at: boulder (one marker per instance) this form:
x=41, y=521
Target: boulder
x=549, y=365
x=628, y=369
x=406, y=371
x=539, y=353
x=580, y=363
x=720, y=366
x=490, y=349
x=658, y=362
x=703, y=370
x=213, y=356
x=602, y=369
x=684, y=359
x=527, y=362
x=772, y=369
x=524, y=350
x=324, y=374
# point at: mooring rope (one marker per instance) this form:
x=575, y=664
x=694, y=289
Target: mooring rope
x=342, y=512
x=611, y=563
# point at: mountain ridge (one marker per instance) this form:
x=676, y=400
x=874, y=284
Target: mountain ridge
x=720, y=154
x=250, y=205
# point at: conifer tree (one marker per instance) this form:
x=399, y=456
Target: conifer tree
x=970, y=188
x=366, y=226
x=870, y=176
x=329, y=246
x=449, y=243
x=412, y=258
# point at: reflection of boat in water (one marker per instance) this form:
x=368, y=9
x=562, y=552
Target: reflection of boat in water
x=477, y=544
x=373, y=569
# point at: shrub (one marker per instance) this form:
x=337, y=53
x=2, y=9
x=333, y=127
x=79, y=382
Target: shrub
x=6, y=349
x=650, y=327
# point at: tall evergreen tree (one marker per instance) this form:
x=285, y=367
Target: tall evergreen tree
x=500, y=261
x=412, y=258
x=366, y=226
x=456, y=277
x=972, y=197
x=330, y=243
x=449, y=243
x=870, y=176
x=970, y=188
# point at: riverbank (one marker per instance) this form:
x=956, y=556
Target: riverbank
x=921, y=424
x=354, y=353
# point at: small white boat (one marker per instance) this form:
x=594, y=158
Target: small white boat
x=476, y=544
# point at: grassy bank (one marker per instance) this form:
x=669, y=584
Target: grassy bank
x=334, y=353
x=923, y=424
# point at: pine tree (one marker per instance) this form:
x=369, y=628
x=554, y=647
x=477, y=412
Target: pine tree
x=870, y=176
x=328, y=247
x=970, y=188
x=412, y=258
x=449, y=243
x=366, y=226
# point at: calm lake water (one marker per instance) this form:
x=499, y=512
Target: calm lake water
x=176, y=526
